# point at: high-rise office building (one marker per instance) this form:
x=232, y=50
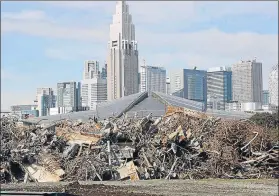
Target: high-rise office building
x=265, y=95
x=247, y=81
x=152, y=79
x=273, y=86
x=67, y=97
x=78, y=95
x=45, y=99
x=91, y=69
x=176, y=81
x=195, y=85
x=93, y=92
x=219, y=87
x=122, y=59
x=93, y=88
x=104, y=72
x=43, y=104
x=51, y=98
x=168, y=87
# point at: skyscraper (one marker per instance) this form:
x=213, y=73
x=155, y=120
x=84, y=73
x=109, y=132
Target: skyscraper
x=247, y=81
x=168, y=87
x=93, y=92
x=51, y=98
x=265, y=100
x=104, y=71
x=195, y=85
x=176, y=81
x=273, y=86
x=66, y=97
x=219, y=87
x=122, y=59
x=91, y=69
x=152, y=79
x=45, y=99
x=93, y=86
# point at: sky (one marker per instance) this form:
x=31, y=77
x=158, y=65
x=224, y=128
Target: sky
x=46, y=42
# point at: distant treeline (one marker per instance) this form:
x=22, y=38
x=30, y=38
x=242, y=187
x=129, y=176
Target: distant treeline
x=267, y=120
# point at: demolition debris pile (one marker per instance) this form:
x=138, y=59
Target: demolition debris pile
x=182, y=144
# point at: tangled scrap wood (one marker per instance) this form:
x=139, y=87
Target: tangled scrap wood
x=182, y=144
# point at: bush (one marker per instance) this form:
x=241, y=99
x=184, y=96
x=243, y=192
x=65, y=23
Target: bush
x=267, y=120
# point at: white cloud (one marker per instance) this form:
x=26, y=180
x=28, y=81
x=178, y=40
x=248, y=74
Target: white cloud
x=29, y=15
x=162, y=11
x=36, y=23
x=209, y=48
x=204, y=49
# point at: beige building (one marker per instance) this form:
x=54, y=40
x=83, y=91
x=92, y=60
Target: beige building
x=91, y=69
x=247, y=81
x=122, y=59
x=273, y=86
x=176, y=80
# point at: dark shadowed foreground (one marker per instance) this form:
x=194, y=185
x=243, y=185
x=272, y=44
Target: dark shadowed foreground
x=156, y=187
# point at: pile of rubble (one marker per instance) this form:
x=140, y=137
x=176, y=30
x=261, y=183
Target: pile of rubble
x=183, y=144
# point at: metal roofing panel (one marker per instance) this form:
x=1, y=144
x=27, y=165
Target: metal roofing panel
x=104, y=110
x=180, y=102
x=147, y=106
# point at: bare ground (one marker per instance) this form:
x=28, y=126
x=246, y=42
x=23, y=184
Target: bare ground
x=212, y=187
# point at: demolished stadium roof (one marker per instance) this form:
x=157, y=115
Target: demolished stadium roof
x=139, y=104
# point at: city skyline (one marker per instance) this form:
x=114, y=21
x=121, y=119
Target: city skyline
x=36, y=57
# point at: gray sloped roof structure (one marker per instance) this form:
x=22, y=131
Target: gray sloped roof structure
x=139, y=105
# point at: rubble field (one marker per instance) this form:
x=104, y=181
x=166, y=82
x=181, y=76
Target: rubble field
x=183, y=144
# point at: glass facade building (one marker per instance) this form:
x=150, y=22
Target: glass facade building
x=67, y=95
x=265, y=97
x=219, y=88
x=29, y=113
x=195, y=85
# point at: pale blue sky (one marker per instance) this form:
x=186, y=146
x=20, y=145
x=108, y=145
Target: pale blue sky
x=43, y=43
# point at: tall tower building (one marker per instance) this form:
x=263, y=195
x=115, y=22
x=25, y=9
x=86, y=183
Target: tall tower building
x=265, y=100
x=67, y=96
x=273, y=86
x=168, y=88
x=153, y=79
x=47, y=91
x=91, y=69
x=247, y=81
x=176, y=81
x=195, y=85
x=93, y=86
x=93, y=92
x=122, y=59
x=219, y=87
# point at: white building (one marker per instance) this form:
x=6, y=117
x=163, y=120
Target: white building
x=51, y=96
x=247, y=81
x=91, y=69
x=251, y=106
x=67, y=98
x=219, y=87
x=152, y=79
x=122, y=59
x=93, y=92
x=53, y=111
x=273, y=86
x=176, y=81
x=233, y=106
x=168, y=87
